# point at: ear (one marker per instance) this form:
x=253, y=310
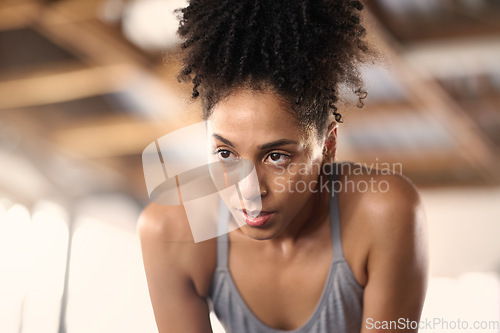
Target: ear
x=331, y=140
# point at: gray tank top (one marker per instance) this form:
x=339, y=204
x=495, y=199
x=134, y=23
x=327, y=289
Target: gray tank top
x=339, y=309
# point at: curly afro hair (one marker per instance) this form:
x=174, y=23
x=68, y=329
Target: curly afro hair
x=302, y=50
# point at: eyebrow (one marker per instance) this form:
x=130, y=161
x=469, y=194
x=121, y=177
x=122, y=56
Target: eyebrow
x=269, y=145
x=278, y=143
x=220, y=138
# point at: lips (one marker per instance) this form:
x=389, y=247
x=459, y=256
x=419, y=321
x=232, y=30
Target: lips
x=256, y=218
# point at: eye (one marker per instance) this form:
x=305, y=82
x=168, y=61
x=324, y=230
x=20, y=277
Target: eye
x=277, y=158
x=225, y=155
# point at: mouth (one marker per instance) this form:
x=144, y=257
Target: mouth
x=255, y=218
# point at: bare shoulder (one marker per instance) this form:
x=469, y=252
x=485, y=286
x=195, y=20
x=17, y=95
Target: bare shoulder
x=381, y=217
x=381, y=192
x=164, y=223
x=387, y=204
x=165, y=234
x=386, y=221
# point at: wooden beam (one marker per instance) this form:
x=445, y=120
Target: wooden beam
x=18, y=16
x=60, y=87
x=33, y=71
x=447, y=23
x=112, y=139
x=96, y=43
x=426, y=94
x=77, y=10
x=430, y=168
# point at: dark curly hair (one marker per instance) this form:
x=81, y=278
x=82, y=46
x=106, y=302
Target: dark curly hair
x=301, y=50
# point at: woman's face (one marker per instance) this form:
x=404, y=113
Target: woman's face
x=256, y=126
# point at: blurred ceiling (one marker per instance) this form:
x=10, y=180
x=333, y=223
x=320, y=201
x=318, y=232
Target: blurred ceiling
x=92, y=83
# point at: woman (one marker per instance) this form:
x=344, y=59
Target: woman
x=340, y=257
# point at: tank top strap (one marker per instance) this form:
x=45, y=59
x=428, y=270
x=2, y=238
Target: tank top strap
x=222, y=239
x=335, y=214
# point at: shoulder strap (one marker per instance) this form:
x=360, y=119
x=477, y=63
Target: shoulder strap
x=222, y=239
x=335, y=214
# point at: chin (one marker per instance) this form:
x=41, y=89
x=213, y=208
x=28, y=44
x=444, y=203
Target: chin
x=257, y=234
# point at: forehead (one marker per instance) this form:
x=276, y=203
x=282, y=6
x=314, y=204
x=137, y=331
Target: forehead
x=256, y=115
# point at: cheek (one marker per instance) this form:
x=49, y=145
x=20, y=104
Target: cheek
x=296, y=180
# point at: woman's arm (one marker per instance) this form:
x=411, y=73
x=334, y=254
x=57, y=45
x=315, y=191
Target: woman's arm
x=176, y=304
x=397, y=260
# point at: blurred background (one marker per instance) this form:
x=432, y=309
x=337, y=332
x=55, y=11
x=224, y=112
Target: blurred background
x=86, y=85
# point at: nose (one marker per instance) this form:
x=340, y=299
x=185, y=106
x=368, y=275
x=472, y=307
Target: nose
x=251, y=189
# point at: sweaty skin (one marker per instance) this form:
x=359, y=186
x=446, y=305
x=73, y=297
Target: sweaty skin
x=280, y=268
